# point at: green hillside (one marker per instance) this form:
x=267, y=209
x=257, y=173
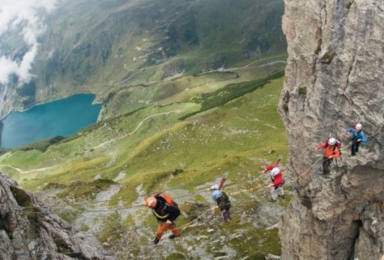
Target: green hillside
x=150, y=150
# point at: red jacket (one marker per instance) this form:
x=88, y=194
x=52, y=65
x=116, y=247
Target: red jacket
x=277, y=179
x=330, y=150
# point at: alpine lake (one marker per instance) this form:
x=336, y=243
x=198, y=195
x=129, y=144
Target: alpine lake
x=63, y=117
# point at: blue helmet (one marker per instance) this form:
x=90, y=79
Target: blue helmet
x=216, y=194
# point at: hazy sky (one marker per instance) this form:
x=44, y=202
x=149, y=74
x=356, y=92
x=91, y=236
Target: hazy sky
x=12, y=14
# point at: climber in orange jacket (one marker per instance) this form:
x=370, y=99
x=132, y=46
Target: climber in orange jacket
x=166, y=211
x=331, y=152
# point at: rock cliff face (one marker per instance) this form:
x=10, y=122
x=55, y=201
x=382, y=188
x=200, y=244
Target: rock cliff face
x=334, y=78
x=28, y=230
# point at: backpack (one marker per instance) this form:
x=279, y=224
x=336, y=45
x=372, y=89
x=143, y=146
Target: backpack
x=168, y=200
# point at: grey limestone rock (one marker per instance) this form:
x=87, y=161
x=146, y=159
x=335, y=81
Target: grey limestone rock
x=334, y=78
x=28, y=230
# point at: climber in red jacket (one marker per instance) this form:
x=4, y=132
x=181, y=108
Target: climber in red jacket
x=277, y=181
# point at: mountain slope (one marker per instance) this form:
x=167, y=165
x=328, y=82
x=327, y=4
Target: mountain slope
x=96, y=176
x=104, y=46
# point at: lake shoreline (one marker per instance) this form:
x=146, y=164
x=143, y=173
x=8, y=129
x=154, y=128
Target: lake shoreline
x=49, y=101
x=50, y=118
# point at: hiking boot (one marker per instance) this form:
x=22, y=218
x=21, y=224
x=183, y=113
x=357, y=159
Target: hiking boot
x=283, y=196
x=156, y=241
x=172, y=236
x=272, y=200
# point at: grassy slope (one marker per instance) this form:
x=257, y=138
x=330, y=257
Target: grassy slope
x=239, y=137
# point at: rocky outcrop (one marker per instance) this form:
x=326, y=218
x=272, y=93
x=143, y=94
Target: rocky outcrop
x=29, y=230
x=334, y=77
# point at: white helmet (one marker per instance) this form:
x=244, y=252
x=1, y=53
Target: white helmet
x=332, y=141
x=358, y=126
x=215, y=187
x=275, y=171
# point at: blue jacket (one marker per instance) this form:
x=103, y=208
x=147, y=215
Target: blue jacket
x=357, y=135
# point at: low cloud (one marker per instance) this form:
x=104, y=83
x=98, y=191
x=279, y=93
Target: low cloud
x=23, y=14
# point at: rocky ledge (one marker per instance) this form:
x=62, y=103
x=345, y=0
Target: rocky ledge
x=30, y=230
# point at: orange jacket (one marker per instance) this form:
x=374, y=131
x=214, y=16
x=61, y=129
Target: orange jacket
x=329, y=150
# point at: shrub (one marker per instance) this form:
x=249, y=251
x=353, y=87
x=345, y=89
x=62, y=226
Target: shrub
x=328, y=57
x=349, y=4
x=302, y=91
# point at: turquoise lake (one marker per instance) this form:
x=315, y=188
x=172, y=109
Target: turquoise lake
x=62, y=117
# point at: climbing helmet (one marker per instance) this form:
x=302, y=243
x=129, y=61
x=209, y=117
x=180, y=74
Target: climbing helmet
x=275, y=171
x=332, y=141
x=217, y=194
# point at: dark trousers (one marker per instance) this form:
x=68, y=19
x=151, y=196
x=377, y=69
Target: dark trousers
x=326, y=165
x=354, y=147
x=226, y=214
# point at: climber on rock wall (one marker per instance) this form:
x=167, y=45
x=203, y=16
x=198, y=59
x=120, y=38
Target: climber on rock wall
x=357, y=136
x=331, y=152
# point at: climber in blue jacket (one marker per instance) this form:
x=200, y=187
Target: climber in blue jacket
x=357, y=136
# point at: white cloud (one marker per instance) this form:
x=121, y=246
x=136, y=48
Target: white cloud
x=7, y=67
x=15, y=13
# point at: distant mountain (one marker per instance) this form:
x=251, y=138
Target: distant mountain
x=101, y=46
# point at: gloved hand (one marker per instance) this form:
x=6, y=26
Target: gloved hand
x=358, y=140
x=169, y=222
x=214, y=208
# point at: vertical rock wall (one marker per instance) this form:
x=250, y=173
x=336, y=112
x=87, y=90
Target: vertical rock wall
x=30, y=231
x=334, y=78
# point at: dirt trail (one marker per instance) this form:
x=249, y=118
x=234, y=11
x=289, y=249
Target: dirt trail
x=30, y=171
x=222, y=70
x=137, y=127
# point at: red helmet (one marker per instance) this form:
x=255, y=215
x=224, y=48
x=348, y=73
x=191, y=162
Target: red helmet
x=151, y=202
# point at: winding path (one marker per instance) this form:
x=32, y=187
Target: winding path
x=222, y=70
x=30, y=171
x=137, y=127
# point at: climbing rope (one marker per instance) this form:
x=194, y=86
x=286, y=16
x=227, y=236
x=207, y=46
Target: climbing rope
x=192, y=221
